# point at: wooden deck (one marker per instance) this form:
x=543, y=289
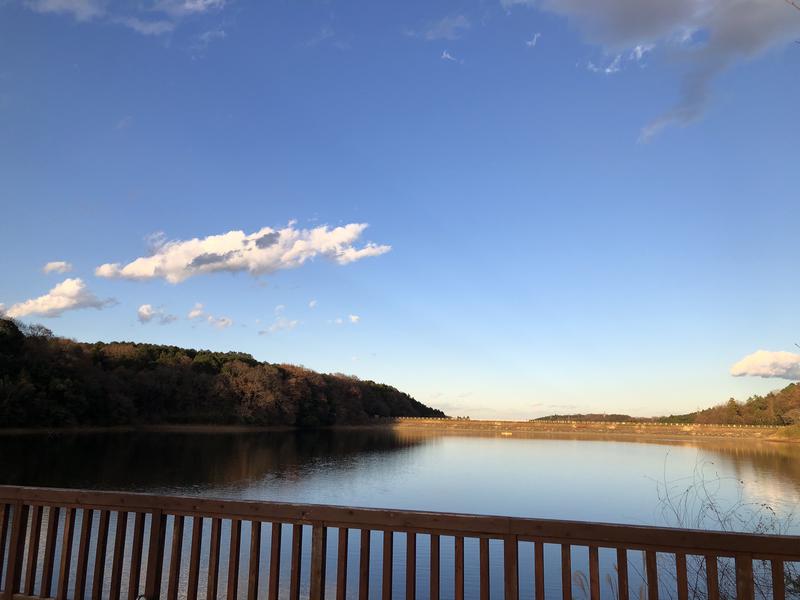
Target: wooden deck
x=57, y=543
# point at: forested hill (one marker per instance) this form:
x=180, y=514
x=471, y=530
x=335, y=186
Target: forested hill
x=781, y=407
x=47, y=381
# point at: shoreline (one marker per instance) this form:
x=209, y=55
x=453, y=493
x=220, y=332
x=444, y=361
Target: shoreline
x=501, y=429
x=596, y=430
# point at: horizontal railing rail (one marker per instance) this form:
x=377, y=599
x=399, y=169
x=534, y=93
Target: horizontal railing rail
x=62, y=543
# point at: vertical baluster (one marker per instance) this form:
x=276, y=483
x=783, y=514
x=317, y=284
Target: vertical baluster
x=341, y=564
x=83, y=553
x=388, y=553
x=458, y=568
x=651, y=565
x=435, y=556
x=363, y=566
x=53, y=517
x=275, y=561
x=16, y=549
x=5, y=514
x=136, y=557
x=175, y=557
x=120, y=534
x=155, y=554
x=411, y=565
x=193, y=583
x=712, y=577
x=538, y=565
x=594, y=573
x=319, y=544
x=33, y=549
x=66, y=554
x=778, y=580
x=254, y=562
x=622, y=573
x=213, y=559
x=566, y=572
x=101, y=546
x=511, y=567
x=484, y=569
x=744, y=577
x=682, y=578
x=234, y=547
x=297, y=561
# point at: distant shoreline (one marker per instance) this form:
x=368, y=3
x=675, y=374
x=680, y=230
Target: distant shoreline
x=597, y=429
x=465, y=427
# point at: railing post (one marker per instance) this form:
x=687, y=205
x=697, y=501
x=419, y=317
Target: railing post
x=511, y=567
x=318, y=546
x=155, y=555
x=744, y=577
x=16, y=549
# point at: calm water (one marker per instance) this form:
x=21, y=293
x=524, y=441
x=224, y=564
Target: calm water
x=582, y=479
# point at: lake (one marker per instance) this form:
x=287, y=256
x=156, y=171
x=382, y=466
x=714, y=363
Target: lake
x=610, y=480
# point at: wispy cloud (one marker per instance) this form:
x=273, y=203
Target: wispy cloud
x=264, y=251
x=768, y=364
x=448, y=28
x=147, y=313
x=447, y=56
x=531, y=43
x=70, y=294
x=611, y=68
x=183, y=8
x=732, y=32
x=151, y=19
x=323, y=35
x=354, y=319
x=312, y=304
x=81, y=10
x=198, y=313
x=144, y=26
x=280, y=324
x=57, y=266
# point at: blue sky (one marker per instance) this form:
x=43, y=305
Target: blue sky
x=505, y=208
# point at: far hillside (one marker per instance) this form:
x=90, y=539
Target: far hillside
x=48, y=381
x=781, y=407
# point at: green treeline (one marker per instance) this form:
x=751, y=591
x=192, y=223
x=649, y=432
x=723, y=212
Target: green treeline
x=781, y=407
x=47, y=381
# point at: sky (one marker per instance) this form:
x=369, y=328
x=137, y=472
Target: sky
x=506, y=208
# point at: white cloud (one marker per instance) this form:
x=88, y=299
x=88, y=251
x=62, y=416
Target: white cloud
x=280, y=324
x=182, y=8
x=198, y=312
x=731, y=31
x=768, y=364
x=147, y=312
x=447, y=56
x=312, y=304
x=145, y=27
x=57, y=266
x=82, y=10
x=610, y=69
x=265, y=251
x=354, y=318
x=219, y=322
x=448, y=28
x=279, y=309
x=161, y=17
x=531, y=43
x=70, y=294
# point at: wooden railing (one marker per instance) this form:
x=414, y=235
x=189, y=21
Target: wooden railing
x=64, y=544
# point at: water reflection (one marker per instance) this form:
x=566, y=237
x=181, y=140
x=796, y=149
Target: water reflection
x=181, y=460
